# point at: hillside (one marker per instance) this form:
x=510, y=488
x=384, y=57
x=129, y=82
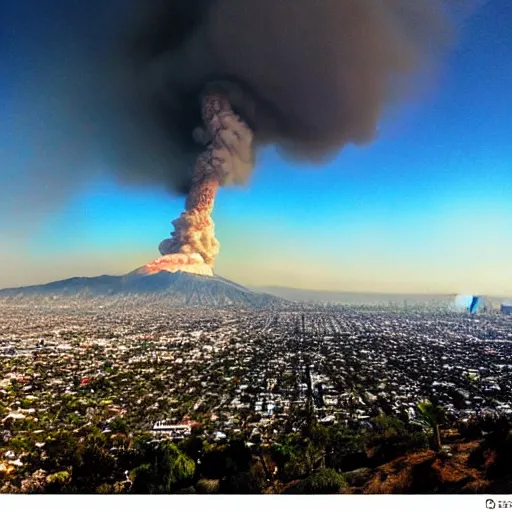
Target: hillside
x=180, y=289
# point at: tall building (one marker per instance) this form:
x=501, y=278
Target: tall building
x=475, y=304
x=506, y=308
x=468, y=303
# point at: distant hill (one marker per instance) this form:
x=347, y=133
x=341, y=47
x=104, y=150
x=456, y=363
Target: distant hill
x=353, y=298
x=371, y=299
x=180, y=289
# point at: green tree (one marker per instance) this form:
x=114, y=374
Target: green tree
x=224, y=460
x=119, y=425
x=431, y=417
x=165, y=469
x=297, y=457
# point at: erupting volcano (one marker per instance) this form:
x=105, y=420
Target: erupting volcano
x=228, y=140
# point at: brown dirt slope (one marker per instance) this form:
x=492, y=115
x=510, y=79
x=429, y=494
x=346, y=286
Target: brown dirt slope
x=426, y=472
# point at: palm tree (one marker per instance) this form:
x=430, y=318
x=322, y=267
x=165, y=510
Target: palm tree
x=431, y=417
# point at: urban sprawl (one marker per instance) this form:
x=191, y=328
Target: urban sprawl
x=162, y=370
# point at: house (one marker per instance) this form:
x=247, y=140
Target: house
x=164, y=429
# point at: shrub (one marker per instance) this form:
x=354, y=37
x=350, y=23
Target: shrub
x=242, y=483
x=494, y=427
x=214, y=463
x=187, y=490
x=193, y=447
x=347, y=449
x=205, y=486
x=470, y=429
x=281, y=454
x=325, y=481
x=119, y=425
x=59, y=479
x=105, y=489
x=94, y=465
x=61, y=450
x=496, y=446
x=226, y=460
x=501, y=466
x=392, y=438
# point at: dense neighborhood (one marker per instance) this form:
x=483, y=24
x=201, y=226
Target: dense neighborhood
x=170, y=373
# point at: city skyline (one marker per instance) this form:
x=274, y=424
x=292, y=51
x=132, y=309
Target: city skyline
x=424, y=208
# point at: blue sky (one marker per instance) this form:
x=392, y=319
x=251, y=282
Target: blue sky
x=425, y=208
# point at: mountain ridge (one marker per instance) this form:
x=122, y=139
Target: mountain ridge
x=178, y=288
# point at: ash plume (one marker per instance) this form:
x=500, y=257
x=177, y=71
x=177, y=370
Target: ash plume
x=229, y=150
x=120, y=83
x=307, y=76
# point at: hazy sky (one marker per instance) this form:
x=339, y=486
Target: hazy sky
x=425, y=208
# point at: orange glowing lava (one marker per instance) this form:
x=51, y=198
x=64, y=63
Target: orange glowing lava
x=191, y=263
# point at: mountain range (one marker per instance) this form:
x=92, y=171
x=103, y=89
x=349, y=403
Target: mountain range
x=179, y=289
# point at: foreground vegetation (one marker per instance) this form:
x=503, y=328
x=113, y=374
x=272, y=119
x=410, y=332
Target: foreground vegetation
x=387, y=456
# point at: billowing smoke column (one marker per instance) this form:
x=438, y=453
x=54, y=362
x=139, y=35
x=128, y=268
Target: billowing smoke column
x=229, y=151
x=307, y=76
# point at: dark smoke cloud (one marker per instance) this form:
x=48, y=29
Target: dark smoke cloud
x=309, y=76
x=116, y=84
